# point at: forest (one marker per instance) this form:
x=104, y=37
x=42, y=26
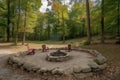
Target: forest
x=59, y=39
x=22, y=20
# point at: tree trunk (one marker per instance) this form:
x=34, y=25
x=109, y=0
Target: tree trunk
x=13, y=29
x=8, y=21
x=13, y=23
x=88, y=21
x=118, y=31
x=24, y=30
x=102, y=22
x=63, y=29
x=18, y=24
x=48, y=29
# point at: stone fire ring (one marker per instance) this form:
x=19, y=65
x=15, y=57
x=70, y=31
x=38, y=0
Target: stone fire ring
x=61, y=58
x=82, y=61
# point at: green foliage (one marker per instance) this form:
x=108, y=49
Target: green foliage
x=86, y=42
x=60, y=23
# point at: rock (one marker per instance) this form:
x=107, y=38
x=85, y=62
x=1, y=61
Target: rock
x=93, y=64
x=35, y=69
x=20, y=63
x=15, y=60
x=10, y=61
x=38, y=71
x=86, y=69
x=85, y=50
x=77, y=69
x=102, y=67
x=57, y=71
x=17, y=55
x=42, y=70
x=68, y=71
x=28, y=66
x=100, y=59
x=94, y=52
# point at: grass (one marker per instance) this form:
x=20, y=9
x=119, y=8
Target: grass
x=46, y=42
x=95, y=39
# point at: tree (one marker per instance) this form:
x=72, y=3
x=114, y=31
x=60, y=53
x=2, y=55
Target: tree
x=88, y=21
x=63, y=24
x=76, y=21
x=29, y=7
x=8, y=20
x=102, y=22
x=61, y=11
x=18, y=21
x=24, y=28
x=118, y=10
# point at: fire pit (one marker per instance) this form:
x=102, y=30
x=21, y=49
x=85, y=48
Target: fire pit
x=60, y=61
x=58, y=56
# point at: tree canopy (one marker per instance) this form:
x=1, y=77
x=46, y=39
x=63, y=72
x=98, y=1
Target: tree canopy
x=21, y=20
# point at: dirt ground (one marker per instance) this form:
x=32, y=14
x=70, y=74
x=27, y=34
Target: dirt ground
x=8, y=73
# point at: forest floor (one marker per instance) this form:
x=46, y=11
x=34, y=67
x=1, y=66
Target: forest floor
x=110, y=50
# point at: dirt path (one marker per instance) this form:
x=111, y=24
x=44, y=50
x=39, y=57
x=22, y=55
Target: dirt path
x=8, y=73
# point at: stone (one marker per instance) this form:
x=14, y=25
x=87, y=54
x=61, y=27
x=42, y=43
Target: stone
x=93, y=64
x=57, y=71
x=17, y=55
x=15, y=59
x=102, y=67
x=77, y=69
x=35, y=69
x=38, y=71
x=94, y=52
x=86, y=69
x=20, y=64
x=100, y=59
x=10, y=62
x=10, y=58
x=81, y=62
x=28, y=66
x=42, y=70
x=68, y=71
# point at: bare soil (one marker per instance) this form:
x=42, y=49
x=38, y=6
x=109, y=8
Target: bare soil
x=111, y=51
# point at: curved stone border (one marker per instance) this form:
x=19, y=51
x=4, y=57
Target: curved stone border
x=100, y=64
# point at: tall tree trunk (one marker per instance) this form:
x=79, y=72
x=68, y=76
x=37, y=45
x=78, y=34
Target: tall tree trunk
x=24, y=29
x=13, y=23
x=88, y=21
x=18, y=23
x=13, y=28
x=63, y=29
x=48, y=31
x=118, y=32
x=8, y=21
x=102, y=22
